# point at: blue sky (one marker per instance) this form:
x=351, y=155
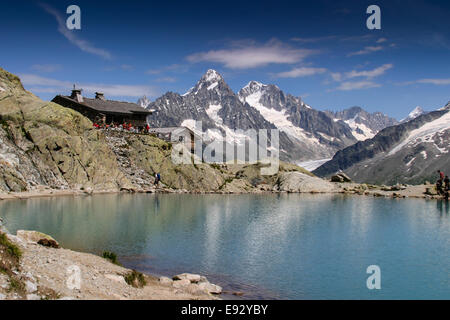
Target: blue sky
x=320, y=50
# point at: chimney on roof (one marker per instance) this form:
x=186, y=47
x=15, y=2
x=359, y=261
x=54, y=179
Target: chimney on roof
x=99, y=95
x=76, y=94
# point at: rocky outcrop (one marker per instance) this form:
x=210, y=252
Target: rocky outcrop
x=305, y=133
x=34, y=236
x=141, y=156
x=340, y=177
x=364, y=125
x=410, y=153
x=193, y=282
x=46, y=146
x=300, y=182
x=41, y=273
x=42, y=143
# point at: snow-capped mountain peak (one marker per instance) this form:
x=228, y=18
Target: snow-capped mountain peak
x=418, y=111
x=211, y=76
x=252, y=87
x=143, y=102
x=305, y=133
x=364, y=125
x=446, y=107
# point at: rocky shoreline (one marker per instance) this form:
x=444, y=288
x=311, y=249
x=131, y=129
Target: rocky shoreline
x=425, y=191
x=42, y=270
x=49, y=273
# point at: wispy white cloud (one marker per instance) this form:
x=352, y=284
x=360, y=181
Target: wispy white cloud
x=313, y=39
x=123, y=67
x=176, y=68
x=439, y=82
x=362, y=84
x=300, y=72
x=364, y=38
x=338, y=76
x=41, y=84
x=381, y=40
x=435, y=81
x=357, y=85
x=366, y=50
x=253, y=56
x=71, y=36
x=166, y=79
x=369, y=73
x=47, y=68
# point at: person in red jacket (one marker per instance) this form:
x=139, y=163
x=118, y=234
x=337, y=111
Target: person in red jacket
x=441, y=175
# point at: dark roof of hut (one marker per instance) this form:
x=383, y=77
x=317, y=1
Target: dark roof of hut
x=109, y=106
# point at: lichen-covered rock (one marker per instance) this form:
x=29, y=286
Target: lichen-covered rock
x=33, y=236
x=340, y=177
x=193, y=278
x=42, y=143
x=210, y=288
x=300, y=182
x=45, y=144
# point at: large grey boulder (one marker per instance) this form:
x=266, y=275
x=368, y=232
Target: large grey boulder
x=300, y=182
x=210, y=288
x=340, y=177
x=193, y=278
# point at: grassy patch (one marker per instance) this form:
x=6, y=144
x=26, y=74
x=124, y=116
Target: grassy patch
x=16, y=285
x=111, y=256
x=135, y=279
x=10, y=255
x=10, y=247
x=227, y=180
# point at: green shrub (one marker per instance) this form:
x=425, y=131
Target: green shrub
x=16, y=285
x=135, y=279
x=111, y=256
x=10, y=247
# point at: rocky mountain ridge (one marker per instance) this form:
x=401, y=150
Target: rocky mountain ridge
x=46, y=146
x=410, y=152
x=305, y=133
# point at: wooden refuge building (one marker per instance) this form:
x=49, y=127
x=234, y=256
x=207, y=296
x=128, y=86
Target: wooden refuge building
x=176, y=135
x=100, y=110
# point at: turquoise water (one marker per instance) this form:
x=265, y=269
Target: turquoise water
x=269, y=246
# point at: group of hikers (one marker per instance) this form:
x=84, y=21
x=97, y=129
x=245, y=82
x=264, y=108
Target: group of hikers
x=443, y=184
x=128, y=127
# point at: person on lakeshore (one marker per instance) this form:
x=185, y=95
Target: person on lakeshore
x=440, y=187
x=157, y=179
x=441, y=175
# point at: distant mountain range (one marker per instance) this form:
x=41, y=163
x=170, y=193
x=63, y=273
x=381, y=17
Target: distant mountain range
x=410, y=152
x=305, y=133
x=418, y=111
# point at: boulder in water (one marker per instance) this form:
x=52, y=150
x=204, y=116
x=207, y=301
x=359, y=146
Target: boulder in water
x=193, y=278
x=48, y=243
x=210, y=288
x=36, y=237
x=340, y=177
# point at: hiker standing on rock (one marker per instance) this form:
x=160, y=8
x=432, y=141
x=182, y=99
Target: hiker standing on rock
x=441, y=175
x=157, y=179
x=440, y=187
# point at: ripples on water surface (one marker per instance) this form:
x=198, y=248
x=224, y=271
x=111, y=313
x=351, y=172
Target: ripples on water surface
x=270, y=246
